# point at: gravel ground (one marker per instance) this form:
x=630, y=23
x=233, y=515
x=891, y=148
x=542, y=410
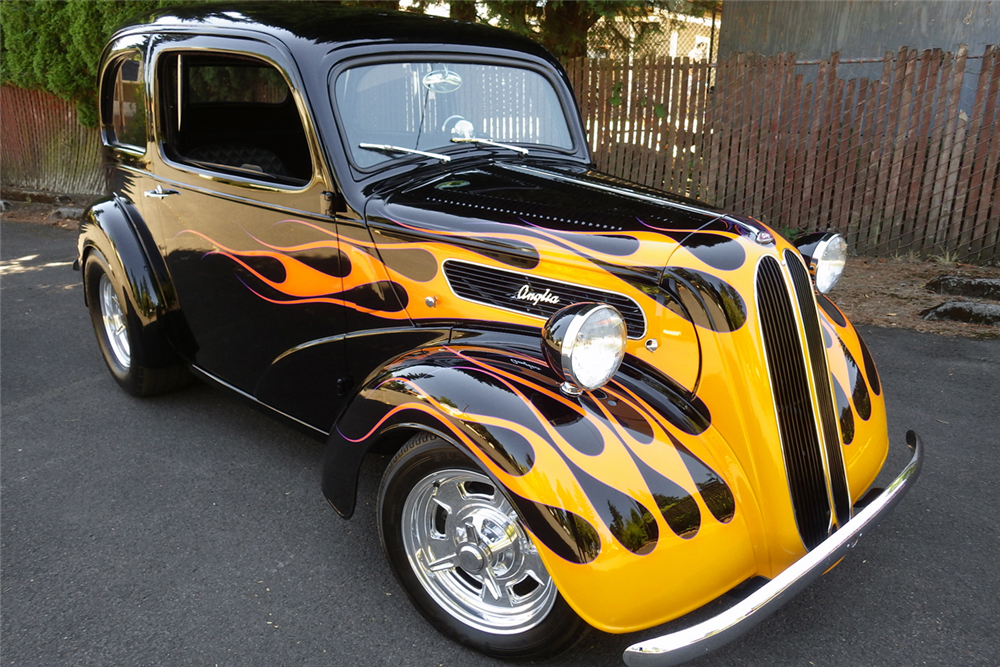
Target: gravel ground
x=890, y=293
x=873, y=291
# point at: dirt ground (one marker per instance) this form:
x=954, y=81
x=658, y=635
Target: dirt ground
x=878, y=292
x=890, y=293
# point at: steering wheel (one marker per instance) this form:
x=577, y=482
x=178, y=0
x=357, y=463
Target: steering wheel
x=458, y=126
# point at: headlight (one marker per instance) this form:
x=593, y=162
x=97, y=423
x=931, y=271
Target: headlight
x=826, y=254
x=584, y=344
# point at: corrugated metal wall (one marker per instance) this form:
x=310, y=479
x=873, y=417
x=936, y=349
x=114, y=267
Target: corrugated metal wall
x=42, y=146
x=855, y=28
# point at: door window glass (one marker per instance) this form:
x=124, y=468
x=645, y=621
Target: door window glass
x=231, y=114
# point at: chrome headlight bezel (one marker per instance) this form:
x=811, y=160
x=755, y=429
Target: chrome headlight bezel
x=579, y=336
x=825, y=254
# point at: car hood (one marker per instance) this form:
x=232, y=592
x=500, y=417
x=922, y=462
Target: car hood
x=514, y=242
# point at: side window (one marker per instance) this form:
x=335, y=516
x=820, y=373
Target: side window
x=125, y=104
x=231, y=114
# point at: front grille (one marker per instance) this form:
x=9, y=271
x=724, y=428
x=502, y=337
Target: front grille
x=821, y=377
x=793, y=403
x=500, y=288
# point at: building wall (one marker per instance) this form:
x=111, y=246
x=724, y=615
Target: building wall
x=856, y=28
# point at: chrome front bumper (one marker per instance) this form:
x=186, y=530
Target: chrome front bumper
x=687, y=644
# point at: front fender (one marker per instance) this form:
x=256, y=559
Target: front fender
x=639, y=511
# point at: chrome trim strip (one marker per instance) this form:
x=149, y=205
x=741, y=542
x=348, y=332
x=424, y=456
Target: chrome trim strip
x=693, y=642
x=208, y=376
x=222, y=195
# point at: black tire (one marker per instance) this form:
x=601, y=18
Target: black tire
x=426, y=473
x=118, y=334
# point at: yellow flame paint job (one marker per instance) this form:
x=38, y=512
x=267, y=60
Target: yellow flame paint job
x=621, y=591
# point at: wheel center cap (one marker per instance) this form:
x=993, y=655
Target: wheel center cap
x=471, y=558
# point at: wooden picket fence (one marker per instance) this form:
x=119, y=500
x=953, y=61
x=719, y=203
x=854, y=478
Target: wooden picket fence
x=44, y=148
x=905, y=162
x=896, y=163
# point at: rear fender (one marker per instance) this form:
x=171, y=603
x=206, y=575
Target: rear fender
x=114, y=227
x=614, y=493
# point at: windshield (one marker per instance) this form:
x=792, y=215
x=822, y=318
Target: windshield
x=422, y=106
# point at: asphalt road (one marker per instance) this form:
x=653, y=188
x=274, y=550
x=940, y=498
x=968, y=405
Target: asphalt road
x=190, y=529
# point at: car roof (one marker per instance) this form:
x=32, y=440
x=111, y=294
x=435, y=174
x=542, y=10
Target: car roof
x=326, y=26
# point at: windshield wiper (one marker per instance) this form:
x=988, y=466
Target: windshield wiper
x=400, y=149
x=489, y=142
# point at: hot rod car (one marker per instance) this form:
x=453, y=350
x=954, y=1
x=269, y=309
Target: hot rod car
x=603, y=404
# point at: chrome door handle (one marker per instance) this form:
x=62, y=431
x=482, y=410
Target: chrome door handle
x=160, y=193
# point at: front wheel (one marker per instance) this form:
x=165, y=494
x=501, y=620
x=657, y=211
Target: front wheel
x=463, y=556
x=117, y=328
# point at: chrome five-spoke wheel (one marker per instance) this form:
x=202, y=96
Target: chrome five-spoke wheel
x=460, y=550
x=470, y=553
x=114, y=322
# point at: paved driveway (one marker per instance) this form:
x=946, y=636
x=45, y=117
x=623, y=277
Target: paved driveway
x=190, y=529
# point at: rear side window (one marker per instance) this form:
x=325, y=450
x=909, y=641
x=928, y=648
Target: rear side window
x=231, y=114
x=125, y=106
x=243, y=83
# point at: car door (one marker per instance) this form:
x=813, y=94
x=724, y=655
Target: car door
x=242, y=203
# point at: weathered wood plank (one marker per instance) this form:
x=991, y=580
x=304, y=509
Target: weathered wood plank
x=937, y=86
x=900, y=140
x=988, y=217
x=959, y=216
x=989, y=80
x=845, y=104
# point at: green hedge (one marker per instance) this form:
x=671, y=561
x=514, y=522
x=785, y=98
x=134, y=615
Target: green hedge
x=55, y=45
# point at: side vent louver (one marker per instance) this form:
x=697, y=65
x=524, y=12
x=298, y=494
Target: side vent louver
x=533, y=295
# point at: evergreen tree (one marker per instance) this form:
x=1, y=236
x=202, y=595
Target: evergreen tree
x=56, y=45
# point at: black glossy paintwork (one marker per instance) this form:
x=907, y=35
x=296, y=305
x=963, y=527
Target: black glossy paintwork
x=312, y=28
x=714, y=490
x=845, y=412
x=678, y=508
x=574, y=428
x=831, y=310
x=629, y=521
x=679, y=408
x=353, y=352
x=108, y=226
x=241, y=323
x=539, y=202
x=635, y=424
x=249, y=333
x=870, y=371
x=707, y=300
x=719, y=251
x=857, y=387
x=568, y=535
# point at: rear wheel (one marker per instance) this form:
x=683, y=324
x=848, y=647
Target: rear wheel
x=117, y=328
x=459, y=549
